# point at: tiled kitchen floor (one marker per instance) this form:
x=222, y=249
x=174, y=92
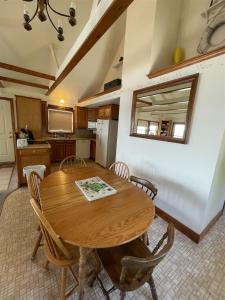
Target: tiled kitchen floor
x=189, y=272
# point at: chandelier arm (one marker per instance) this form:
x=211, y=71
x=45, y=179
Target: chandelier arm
x=51, y=19
x=58, y=13
x=36, y=11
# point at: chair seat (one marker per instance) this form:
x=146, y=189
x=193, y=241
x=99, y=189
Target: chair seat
x=62, y=261
x=111, y=257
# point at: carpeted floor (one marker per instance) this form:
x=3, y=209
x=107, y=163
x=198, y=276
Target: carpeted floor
x=190, y=271
x=8, y=183
x=5, y=176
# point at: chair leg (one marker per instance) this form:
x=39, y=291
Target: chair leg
x=145, y=238
x=37, y=245
x=153, y=289
x=122, y=295
x=63, y=284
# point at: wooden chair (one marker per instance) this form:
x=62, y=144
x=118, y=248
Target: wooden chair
x=120, y=169
x=71, y=162
x=131, y=265
x=57, y=251
x=34, y=181
x=150, y=190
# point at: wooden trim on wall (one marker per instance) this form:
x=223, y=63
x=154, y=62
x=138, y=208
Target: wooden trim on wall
x=110, y=16
x=6, y=98
x=26, y=71
x=28, y=83
x=187, y=62
x=195, y=237
x=116, y=88
x=52, y=106
x=181, y=227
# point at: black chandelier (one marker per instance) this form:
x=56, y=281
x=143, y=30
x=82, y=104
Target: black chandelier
x=44, y=5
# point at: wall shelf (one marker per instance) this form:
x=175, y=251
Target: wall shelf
x=187, y=62
x=100, y=94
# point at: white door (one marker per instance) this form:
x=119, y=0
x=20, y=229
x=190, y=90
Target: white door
x=6, y=133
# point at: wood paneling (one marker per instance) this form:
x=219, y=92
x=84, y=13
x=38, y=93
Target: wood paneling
x=92, y=114
x=26, y=71
x=28, y=83
x=111, y=15
x=116, y=88
x=29, y=112
x=187, y=62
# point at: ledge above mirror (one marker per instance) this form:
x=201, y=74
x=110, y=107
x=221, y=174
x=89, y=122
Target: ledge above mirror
x=163, y=111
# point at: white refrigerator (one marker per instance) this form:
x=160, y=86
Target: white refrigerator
x=106, y=139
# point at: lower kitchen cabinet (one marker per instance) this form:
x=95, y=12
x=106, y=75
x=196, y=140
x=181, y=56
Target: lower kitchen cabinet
x=31, y=156
x=92, y=150
x=61, y=149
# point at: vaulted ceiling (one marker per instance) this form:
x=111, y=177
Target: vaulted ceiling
x=41, y=51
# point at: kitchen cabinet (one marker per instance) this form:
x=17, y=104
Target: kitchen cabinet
x=80, y=117
x=29, y=113
x=108, y=112
x=61, y=149
x=92, y=150
x=92, y=114
x=32, y=155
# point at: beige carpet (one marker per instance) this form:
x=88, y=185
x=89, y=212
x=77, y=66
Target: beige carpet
x=190, y=271
x=5, y=176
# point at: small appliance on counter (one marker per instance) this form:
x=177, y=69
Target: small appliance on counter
x=24, y=137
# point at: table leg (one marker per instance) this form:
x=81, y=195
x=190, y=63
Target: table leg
x=82, y=271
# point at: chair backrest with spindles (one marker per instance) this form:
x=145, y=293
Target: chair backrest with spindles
x=34, y=181
x=136, y=271
x=145, y=185
x=120, y=169
x=72, y=161
x=53, y=241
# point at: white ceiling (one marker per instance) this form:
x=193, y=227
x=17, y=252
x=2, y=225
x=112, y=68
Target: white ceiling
x=32, y=49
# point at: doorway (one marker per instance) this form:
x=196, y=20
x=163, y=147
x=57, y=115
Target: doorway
x=7, y=150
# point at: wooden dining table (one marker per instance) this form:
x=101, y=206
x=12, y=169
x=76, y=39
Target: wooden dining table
x=103, y=223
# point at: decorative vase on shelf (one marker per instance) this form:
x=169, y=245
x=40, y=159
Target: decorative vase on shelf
x=178, y=55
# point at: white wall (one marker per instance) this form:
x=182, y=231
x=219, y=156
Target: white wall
x=183, y=173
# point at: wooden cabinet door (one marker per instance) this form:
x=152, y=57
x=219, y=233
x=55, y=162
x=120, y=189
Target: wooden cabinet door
x=29, y=113
x=92, y=150
x=92, y=114
x=81, y=117
x=52, y=151
x=108, y=113
x=70, y=148
x=60, y=150
x=101, y=112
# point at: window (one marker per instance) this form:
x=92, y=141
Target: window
x=178, y=130
x=142, y=127
x=153, y=128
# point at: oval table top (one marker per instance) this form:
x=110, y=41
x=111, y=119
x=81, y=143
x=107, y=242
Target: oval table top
x=106, y=222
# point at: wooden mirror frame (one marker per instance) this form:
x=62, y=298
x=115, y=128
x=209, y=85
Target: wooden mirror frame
x=193, y=79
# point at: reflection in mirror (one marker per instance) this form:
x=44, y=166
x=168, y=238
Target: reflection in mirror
x=163, y=112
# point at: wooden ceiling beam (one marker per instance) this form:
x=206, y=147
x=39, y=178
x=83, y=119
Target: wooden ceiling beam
x=26, y=71
x=28, y=83
x=145, y=102
x=110, y=16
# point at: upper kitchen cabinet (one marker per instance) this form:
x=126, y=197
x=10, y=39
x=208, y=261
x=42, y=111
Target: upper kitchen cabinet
x=108, y=112
x=29, y=113
x=81, y=117
x=92, y=114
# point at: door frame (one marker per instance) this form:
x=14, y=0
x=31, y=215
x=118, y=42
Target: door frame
x=13, y=126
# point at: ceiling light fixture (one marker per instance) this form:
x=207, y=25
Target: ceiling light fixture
x=45, y=6
x=62, y=101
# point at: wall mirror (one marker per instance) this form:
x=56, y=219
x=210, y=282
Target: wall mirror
x=163, y=111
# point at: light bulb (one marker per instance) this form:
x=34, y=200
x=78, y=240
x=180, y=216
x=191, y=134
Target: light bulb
x=62, y=101
x=72, y=5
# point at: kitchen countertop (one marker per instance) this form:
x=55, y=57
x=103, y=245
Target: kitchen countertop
x=74, y=138
x=36, y=146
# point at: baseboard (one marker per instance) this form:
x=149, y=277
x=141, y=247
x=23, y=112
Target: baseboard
x=195, y=237
x=180, y=226
x=7, y=164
